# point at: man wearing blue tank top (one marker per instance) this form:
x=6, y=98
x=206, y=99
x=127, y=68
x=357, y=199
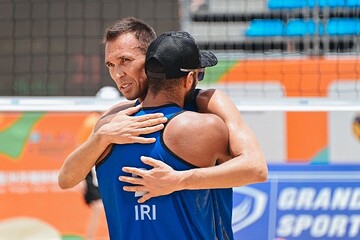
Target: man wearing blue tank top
x=125, y=46
x=189, y=140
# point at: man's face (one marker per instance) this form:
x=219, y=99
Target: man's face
x=126, y=62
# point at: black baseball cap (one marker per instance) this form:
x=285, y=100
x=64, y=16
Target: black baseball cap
x=176, y=52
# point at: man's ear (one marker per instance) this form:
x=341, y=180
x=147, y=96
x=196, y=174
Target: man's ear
x=189, y=80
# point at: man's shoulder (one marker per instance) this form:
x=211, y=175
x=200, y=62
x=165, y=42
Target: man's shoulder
x=189, y=129
x=209, y=93
x=198, y=121
x=209, y=96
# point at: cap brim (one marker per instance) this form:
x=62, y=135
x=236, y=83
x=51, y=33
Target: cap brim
x=208, y=59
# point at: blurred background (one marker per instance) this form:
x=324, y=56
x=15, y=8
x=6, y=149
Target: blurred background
x=291, y=66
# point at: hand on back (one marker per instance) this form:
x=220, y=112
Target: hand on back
x=124, y=128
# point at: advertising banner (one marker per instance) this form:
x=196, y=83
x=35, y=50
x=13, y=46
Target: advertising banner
x=300, y=202
x=33, y=146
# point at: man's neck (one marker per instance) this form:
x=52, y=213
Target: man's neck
x=161, y=99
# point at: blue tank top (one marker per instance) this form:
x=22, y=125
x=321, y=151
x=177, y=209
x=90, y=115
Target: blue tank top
x=186, y=214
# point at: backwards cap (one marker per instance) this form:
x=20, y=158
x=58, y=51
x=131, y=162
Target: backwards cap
x=175, y=51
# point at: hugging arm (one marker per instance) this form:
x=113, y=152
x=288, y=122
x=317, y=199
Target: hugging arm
x=247, y=167
x=118, y=128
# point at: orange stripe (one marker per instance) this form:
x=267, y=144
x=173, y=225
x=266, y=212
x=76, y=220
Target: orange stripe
x=300, y=77
x=306, y=135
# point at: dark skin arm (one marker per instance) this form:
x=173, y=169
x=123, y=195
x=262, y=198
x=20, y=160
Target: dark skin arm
x=247, y=167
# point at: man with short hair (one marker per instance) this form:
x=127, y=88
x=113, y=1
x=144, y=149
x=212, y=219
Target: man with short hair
x=173, y=65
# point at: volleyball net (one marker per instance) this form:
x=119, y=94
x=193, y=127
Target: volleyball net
x=267, y=49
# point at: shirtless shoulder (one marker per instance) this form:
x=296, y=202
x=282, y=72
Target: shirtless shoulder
x=206, y=131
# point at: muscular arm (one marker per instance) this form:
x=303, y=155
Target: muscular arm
x=114, y=127
x=247, y=167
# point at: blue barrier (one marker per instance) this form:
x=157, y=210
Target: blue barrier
x=353, y=3
x=265, y=28
x=303, y=27
x=343, y=26
x=300, y=27
x=296, y=4
x=332, y=3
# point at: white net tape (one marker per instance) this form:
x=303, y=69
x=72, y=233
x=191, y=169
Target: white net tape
x=84, y=104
